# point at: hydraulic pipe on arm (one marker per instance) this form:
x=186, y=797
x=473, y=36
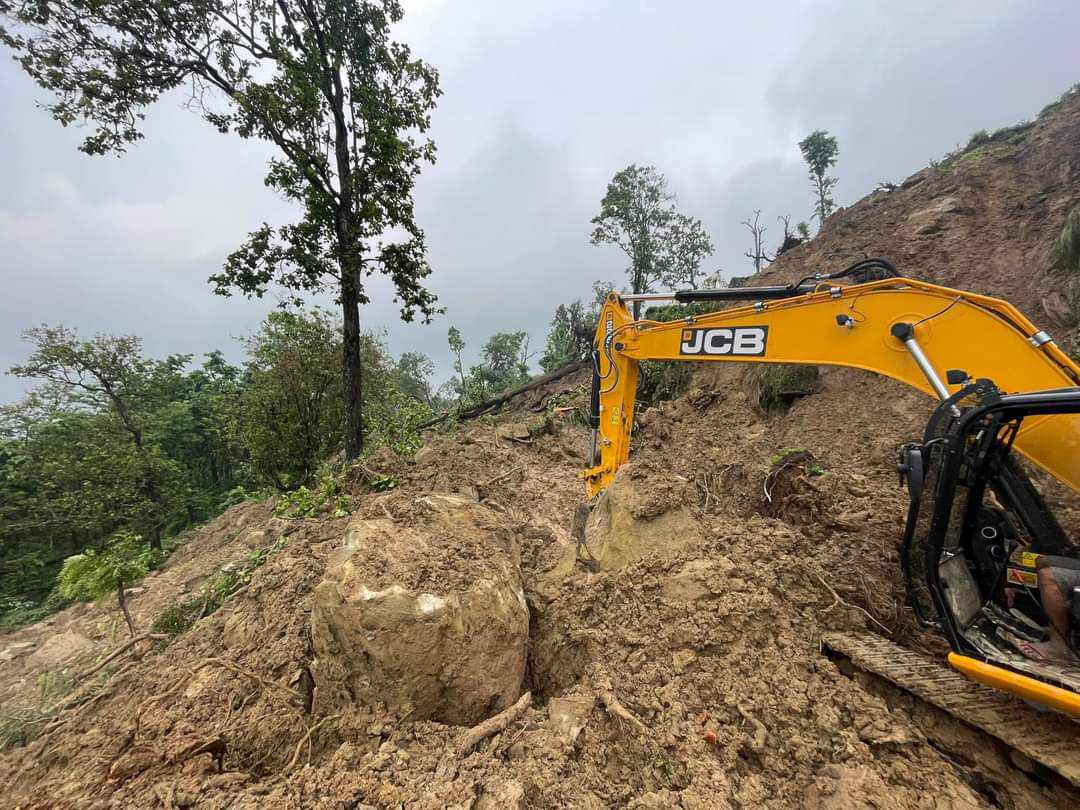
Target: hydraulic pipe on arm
x=908, y=330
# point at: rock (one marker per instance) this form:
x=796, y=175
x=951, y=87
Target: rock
x=515, y=431
x=932, y=218
x=641, y=514
x=697, y=579
x=60, y=650
x=425, y=454
x=682, y=660
x=508, y=795
x=427, y=620
x=14, y=651
x=568, y=715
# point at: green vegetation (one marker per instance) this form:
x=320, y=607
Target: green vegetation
x=122, y=561
x=820, y=150
x=638, y=215
x=346, y=108
x=1066, y=251
x=327, y=498
x=180, y=616
x=113, y=444
x=779, y=384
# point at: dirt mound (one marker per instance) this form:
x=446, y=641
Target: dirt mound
x=684, y=670
x=426, y=620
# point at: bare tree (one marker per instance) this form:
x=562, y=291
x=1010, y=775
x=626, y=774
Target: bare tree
x=758, y=255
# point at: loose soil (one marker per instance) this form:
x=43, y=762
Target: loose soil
x=679, y=666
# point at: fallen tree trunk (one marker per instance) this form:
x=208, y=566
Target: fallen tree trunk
x=489, y=404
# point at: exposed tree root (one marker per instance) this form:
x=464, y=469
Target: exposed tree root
x=620, y=712
x=120, y=651
x=300, y=745
x=492, y=726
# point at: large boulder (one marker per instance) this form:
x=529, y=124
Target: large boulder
x=643, y=513
x=422, y=615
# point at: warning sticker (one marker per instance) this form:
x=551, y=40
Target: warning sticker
x=1018, y=576
x=1027, y=559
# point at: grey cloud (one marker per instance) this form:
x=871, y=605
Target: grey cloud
x=542, y=104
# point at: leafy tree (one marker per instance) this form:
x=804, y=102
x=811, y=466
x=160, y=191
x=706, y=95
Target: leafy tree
x=457, y=346
x=345, y=106
x=414, y=376
x=505, y=363
x=291, y=409
x=819, y=150
x=109, y=374
x=571, y=336
x=95, y=573
x=689, y=245
x=638, y=215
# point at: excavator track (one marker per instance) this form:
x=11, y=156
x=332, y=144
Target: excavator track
x=1046, y=738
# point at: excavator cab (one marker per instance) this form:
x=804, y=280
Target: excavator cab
x=977, y=527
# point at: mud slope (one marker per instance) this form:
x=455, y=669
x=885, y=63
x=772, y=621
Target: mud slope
x=672, y=650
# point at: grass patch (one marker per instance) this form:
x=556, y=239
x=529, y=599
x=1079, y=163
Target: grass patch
x=180, y=616
x=23, y=725
x=779, y=385
x=1054, y=106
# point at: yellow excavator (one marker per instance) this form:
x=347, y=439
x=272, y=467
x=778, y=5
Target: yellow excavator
x=978, y=528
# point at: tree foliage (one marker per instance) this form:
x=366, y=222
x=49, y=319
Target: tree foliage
x=346, y=107
x=122, y=561
x=72, y=475
x=638, y=214
x=820, y=150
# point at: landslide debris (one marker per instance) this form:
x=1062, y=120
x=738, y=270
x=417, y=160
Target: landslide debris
x=425, y=620
x=681, y=668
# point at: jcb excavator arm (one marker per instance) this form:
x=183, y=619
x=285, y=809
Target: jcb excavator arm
x=908, y=330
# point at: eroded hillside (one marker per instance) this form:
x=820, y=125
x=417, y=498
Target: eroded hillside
x=670, y=649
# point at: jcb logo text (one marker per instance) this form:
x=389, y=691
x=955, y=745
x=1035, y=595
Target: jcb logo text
x=740, y=340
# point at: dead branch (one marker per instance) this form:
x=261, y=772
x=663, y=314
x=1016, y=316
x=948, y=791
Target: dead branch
x=120, y=651
x=490, y=404
x=838, y=600
x=502, y=476
x=757, y=743
x=616, y=709
x=493, y=725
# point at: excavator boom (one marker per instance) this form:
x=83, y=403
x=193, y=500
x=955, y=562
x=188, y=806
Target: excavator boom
x=909, y=330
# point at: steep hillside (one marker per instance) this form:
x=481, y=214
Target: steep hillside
x=670, y=643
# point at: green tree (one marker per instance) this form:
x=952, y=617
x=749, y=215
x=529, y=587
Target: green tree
x=346, y=107
x=457, y=346
x=571, y=336
x=95, y=573
x=109, y=374
x=820, y=150
x=414, y=372
x=291, y=409
x=639, y=216
x=689, y=245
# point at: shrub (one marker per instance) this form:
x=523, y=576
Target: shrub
x=1066, y=250
x=95, y=573
x=776, y=386
x=328, y=497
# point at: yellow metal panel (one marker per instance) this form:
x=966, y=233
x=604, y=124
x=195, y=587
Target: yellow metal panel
x=984, y=336
x=1044, y=694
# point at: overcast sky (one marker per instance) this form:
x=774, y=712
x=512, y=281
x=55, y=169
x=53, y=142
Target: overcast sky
x=543, y=103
